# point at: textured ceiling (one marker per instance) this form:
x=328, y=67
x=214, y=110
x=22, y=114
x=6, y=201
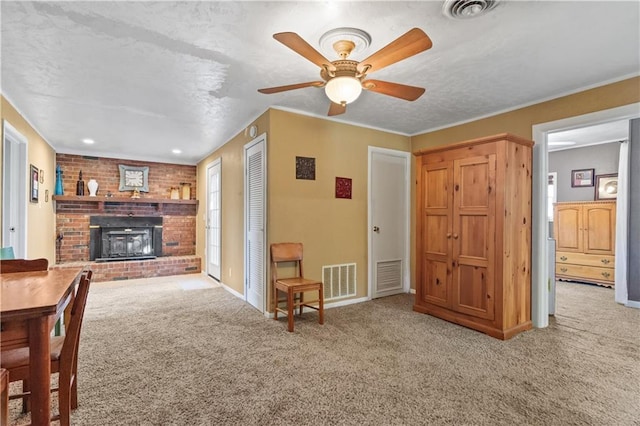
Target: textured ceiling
x=143, y=78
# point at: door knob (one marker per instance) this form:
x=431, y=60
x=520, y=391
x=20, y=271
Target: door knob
x=376, y=229
x=12, y=229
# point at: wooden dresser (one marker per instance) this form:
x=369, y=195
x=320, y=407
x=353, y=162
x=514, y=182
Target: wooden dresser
x=473, y=234
x=585, y=241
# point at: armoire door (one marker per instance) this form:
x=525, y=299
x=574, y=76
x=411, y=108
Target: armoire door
x=436, y=233
x=599, y=228
x=568, y=228
x=474, y=204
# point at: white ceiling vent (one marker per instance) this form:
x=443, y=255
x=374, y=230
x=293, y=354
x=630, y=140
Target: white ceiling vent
x=466, y=9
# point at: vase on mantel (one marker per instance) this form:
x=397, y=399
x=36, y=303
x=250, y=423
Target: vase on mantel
x=93, y=187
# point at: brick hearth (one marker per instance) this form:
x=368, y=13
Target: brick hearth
x=128, y=270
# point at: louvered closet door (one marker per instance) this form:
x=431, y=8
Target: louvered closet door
x=474, y=213
x=255, y=200
x=436, y=233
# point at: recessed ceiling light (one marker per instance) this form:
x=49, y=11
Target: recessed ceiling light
x=561, y=143
x=176, y=151
x=88, y=141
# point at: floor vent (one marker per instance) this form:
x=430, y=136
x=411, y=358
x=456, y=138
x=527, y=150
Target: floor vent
x=339, y=281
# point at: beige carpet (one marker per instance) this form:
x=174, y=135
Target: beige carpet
x=175, y=353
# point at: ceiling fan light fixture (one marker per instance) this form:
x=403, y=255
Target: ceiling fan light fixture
x=343, y=90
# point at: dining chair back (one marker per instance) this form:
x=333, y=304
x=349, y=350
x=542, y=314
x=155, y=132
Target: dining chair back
x=294, y=287
x=64, y=358
x=8, y=266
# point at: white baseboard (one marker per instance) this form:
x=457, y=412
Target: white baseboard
x=330, y=305
x=232, y=291
x=632, y=304
x=412, y=291
x=346, y=302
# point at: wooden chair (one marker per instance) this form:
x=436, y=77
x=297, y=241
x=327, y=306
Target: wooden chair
x=8, y=266
x=64, y=359
x=294, y=287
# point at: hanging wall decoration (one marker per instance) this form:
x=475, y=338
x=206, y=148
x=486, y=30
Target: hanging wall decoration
x=35, y=181
x=133, y=177
x=306, y=168
x=343, y=187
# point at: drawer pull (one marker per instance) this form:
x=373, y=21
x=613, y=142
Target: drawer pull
x=563, y=258
x=606, y=274
x=605, y=261
x=563, y=269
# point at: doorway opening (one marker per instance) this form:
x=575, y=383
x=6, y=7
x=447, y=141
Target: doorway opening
x=540, y=257
x=14, y=190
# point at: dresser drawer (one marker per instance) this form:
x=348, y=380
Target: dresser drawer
x=604, y=261
x=590, y=273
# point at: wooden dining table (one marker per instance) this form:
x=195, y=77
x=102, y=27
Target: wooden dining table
x=30, y=304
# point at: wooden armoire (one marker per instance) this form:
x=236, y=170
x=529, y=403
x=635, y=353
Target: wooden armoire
x=473, y=234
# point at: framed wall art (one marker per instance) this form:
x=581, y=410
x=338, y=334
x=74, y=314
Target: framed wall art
x=306, y=168
x=343, y=187
x=133, y=177
x=607, y=187
x=35, y=182
x=582, y=177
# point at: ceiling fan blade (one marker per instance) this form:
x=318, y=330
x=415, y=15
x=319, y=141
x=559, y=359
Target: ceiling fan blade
x=270, y=90
x=337, y=109
x=411, y=43
x=402, y=91
x=296, y=43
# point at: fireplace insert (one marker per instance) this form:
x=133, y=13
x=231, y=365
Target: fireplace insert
x=125, y=238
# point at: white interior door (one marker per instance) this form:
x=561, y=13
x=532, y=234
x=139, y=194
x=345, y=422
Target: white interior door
x=389, y=199
x=14, y=191
x=255, y=220
x=213, y=218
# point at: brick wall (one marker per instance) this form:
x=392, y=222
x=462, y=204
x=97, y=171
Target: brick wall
x=72, y=218
x=162, y=176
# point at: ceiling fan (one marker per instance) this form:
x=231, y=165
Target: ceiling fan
x=344, y=79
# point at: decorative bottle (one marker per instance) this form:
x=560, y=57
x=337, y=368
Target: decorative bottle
x=58, y=190
x=80, y=185
x=93, y=187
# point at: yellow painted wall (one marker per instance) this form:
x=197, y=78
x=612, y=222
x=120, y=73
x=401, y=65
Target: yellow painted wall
x=232, y=213
x=519, y=122
x=333, y=231
x=40, y=216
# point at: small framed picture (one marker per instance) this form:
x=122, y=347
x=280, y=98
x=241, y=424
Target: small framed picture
x=582, y=177
x=35, y=181
x=607, y=187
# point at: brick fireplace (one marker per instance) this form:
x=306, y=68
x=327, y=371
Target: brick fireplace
x=150, y=236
